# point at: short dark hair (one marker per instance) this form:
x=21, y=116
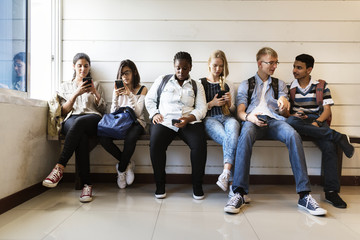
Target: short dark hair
x=307, y=59
x=183, y=56
x=135, y=74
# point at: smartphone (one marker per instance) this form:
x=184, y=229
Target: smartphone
x=262, y=118
x=119, y=84
x=173, y=121
x=88, y=80
x=300, y=113
x=221, y=93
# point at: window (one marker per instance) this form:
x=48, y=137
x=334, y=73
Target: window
x=13, y=44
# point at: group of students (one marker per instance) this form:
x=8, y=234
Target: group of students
x=191, y=110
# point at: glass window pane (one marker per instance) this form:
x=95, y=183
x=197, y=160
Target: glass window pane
x=13, y=42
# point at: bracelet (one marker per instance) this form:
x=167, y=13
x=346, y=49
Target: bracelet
x=246, y=117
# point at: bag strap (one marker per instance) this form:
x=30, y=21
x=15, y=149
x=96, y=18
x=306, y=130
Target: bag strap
x=140, y=90
x=164, y=81
x=320, y=92
x=274, y=85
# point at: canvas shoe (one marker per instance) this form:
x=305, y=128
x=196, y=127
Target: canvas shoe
x=53, y=178
x=198, y=193
x=309, y=204
x=160, y=192
x=335, y=199
x=86, y=194
x=130, y=176
x=346, y=146
x=223, y=180
x=234, y=204
x=121, y=178
x=246, y=198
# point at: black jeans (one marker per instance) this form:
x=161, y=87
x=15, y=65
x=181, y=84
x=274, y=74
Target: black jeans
x=193, y=135
x=130, y=140
x=78, y=129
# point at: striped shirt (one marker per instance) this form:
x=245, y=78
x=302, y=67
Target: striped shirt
x=305, y=98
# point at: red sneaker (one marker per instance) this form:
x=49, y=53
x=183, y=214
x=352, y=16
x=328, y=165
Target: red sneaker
x=86, y=194
x=54, y=177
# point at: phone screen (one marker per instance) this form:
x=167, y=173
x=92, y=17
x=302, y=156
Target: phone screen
x=119, y=84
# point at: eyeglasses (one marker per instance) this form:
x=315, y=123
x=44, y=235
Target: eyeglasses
x=271, y=63
x=126, y=73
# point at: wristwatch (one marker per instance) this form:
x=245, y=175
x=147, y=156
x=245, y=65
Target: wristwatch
x=319, y=123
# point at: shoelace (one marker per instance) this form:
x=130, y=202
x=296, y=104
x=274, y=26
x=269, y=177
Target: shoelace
x=55, y=174
x=311, y=201
x=86, y=190
x=234, y=200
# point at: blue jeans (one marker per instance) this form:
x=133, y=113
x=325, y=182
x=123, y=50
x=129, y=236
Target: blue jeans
x=325, y=138
x=278, y=130
x=225, y=131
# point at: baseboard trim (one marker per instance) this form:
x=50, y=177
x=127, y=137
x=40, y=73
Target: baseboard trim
x=20, y=197
x=212, y=178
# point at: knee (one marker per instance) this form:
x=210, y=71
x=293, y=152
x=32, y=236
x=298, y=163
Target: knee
x=292, y=120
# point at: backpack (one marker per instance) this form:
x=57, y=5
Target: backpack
x=274, y=85
x=319, y=97
x=164, y=81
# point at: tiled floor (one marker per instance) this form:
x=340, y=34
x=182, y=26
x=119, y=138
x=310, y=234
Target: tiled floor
x=134, y=213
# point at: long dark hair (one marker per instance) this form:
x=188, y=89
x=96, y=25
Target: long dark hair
x=81, y=56
x=135, y=74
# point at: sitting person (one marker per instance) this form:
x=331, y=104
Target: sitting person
x=219, y=123
x=176, y=105
x=308, y=117
x=83, y=104
x=132, y=94
x=261, y=111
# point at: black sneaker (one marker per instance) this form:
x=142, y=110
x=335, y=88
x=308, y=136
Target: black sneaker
x=160, y=191
x=198, y=193
x=234, y=204
x=346, y=146
x=335, y=199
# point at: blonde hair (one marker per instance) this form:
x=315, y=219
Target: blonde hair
x=266, y=51
x=220, y=54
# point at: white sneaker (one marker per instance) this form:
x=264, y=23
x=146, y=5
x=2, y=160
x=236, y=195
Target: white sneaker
x=130, y=176
x=223, y=180
x=121, y=179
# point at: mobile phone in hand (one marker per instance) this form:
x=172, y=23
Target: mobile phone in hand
x=300, y=113
x=119, y=84
x=262, y=118
x=221, y=93
x=173, y=121
x=87, y=81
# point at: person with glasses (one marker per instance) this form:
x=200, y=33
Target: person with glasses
x=309, y=118
x=129, y=93
x=262, y=117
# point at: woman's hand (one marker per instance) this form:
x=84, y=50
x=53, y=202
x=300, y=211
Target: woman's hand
x=227, y=97
x=218, y=102
x=122, y=91
x=157, y=118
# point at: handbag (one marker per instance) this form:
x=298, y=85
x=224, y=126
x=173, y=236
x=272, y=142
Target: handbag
x=116, y=124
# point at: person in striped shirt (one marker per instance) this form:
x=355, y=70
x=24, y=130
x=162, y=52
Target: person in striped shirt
x=308, y=116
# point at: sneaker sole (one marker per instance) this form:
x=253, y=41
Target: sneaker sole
x=86, y=200
x=50, y=185
x=315, y=213
x=198, y=197
x=220, y=185
x=160, y=196
x=342, y=206
x=231, y=210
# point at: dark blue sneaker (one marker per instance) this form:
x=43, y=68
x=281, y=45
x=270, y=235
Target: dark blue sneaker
x=234, y=204
x=309, y=204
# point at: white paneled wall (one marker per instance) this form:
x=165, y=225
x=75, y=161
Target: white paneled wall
x=151, y=32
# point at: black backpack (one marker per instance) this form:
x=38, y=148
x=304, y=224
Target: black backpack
x=164, y=81
x=274, y=85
